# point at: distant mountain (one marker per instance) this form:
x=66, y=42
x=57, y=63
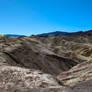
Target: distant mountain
x=53, y=33
x=56, y=33
x=14, y=35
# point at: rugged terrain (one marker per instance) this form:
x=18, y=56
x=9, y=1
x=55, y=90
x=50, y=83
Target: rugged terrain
x=54, y=62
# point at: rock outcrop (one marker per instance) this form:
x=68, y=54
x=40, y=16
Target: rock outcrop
x=80, y=73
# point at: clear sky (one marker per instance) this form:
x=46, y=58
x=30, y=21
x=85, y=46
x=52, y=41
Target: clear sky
x=41, y=16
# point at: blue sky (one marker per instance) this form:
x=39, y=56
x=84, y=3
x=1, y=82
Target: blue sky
x=40, y=16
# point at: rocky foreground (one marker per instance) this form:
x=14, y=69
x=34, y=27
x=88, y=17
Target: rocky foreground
x=51, y=63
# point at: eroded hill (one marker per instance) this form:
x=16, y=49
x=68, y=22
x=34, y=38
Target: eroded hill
x=59, y=62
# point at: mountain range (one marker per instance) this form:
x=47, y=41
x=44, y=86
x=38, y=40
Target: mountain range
x=14, y=35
